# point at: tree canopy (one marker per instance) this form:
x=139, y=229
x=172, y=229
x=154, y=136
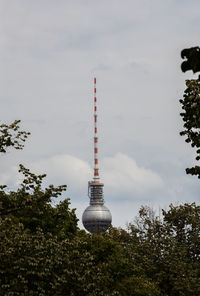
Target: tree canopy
x=191, y=105
x=192, y=59
x=12, y=136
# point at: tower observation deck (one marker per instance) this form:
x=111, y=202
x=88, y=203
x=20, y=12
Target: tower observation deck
x=96, y=217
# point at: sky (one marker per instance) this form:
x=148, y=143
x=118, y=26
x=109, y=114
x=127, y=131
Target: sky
x=50, y=52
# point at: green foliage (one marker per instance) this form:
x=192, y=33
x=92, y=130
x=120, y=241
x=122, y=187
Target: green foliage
x=191, y=104
x=154, y=257
x=169, y=248
x=31, y=264
x=32, y=206
x=192, y=62
x=191, y=117
x=11, y=136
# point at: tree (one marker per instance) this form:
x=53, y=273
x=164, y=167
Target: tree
x=191, y=117
x=168, y=248
x=192, y=62
x=191, y=105
x=12, y=136
x=32, y=206
x=119, y=271
x=32, y=264
x=33, y=233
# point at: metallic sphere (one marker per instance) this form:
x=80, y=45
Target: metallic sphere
x=96, y=218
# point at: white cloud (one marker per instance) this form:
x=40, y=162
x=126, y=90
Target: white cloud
x=123, y=176
x=64, y=169
x=120, y=173
x=128, y=185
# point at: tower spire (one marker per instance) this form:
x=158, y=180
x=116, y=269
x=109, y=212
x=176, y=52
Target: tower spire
x=96, y=168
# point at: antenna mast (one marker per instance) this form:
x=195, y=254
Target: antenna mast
x=96, y=169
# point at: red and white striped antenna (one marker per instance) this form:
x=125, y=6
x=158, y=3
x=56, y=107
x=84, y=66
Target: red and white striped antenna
x=96, y=169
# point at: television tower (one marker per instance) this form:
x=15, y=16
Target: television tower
x=96, y=217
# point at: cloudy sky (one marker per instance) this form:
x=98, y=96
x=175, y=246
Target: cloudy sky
x=50, y=50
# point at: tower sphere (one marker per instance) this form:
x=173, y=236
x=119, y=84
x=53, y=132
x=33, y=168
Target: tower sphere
x=96, y=218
